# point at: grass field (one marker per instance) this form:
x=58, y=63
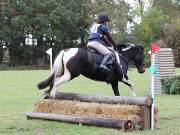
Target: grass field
x=18, y=92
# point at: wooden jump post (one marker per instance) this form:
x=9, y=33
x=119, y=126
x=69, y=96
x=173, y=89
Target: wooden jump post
x=143, y=102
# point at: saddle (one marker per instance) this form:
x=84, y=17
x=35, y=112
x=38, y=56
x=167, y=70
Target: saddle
x=97, y=59
x=98, y=56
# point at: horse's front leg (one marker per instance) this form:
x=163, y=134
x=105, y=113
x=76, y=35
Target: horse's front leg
x=114, y=86
x=130, y=84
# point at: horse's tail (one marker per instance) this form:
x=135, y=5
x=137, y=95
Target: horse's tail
x=45, y=83
x=56, y=71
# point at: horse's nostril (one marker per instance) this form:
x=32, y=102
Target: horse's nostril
x=141, y=70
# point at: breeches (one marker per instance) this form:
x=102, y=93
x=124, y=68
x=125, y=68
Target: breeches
x=99, y=47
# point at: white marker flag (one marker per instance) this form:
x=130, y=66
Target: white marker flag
x=149, y=52
x=49, y=51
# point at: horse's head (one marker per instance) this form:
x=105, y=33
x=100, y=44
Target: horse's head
x=134, y=53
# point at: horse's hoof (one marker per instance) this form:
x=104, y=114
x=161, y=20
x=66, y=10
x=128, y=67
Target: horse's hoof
x=46, y=96
x=52, y=95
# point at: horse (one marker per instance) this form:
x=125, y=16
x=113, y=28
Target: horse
x=72, y=62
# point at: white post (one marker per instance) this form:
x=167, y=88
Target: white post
x=51, y=62
x=152, y=91
x=49, y=51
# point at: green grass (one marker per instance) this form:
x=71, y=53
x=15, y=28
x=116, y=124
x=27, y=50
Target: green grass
x=18, y=92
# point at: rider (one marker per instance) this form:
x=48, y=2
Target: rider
x=99, y=36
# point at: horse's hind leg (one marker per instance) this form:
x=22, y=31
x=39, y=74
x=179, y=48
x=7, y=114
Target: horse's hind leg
x=46, y=94
x=57, y=81
x=130, y=84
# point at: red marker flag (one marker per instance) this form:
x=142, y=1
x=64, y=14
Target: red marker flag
x=154, y=48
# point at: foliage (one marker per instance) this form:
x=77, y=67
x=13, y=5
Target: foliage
x=171, y=30
x=62, y=23
x=158, y=23
x=171, y=85
x=58, y=24
x=151, y=26
x=150, y=29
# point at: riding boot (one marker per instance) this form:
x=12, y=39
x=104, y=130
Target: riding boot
x=105, y=60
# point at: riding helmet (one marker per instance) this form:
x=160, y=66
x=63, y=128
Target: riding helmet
x=103, y=18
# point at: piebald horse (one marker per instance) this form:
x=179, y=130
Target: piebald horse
x=72, y=62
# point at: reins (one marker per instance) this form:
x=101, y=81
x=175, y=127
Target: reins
x=125, y=58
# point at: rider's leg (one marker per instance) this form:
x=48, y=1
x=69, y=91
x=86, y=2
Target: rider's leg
x=104, y=62
x=103, y=50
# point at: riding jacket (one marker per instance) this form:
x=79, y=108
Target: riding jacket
x=97, y=33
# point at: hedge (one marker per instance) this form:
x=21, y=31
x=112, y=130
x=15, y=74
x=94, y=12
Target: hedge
x=171, y=85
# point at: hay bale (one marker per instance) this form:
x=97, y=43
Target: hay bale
x=100, y=110
x=134, y=113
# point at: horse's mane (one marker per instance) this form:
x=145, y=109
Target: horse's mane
x=127, y=46
x=122, y=46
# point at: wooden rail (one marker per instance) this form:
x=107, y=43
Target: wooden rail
x=142, y=101
x=113, y=123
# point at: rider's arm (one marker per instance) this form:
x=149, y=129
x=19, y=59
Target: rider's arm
x=106, y=41
x=107, y=34
x=109, y=37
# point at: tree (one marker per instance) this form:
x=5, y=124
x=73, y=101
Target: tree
x=171, y=30
x=151, y=27
x=158, y=23
x=61, y=23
